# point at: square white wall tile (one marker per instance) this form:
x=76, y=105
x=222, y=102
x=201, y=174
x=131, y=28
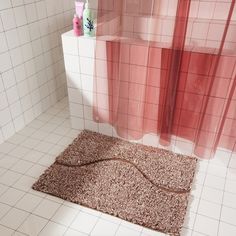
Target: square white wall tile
x=70, y=45
x=87, y=66
x=73, y=80
x=77, y=123
x=86, y=46
x=76, y=110
x=72, y=63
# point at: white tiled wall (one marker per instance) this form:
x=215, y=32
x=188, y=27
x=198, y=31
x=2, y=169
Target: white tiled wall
x=32, y=76
x=154, y=20
x=79, y=78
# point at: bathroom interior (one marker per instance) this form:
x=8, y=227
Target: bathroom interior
x=118, y=118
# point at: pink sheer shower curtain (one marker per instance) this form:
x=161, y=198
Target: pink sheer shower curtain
x=162, y=76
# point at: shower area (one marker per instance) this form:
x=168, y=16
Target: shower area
x=161, y=73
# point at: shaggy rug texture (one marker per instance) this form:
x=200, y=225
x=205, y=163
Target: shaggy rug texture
x=141, y=184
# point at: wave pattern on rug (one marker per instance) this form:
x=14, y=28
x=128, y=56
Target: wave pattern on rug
x=141, y=184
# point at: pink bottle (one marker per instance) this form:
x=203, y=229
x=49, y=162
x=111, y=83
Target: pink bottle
x=77, y=25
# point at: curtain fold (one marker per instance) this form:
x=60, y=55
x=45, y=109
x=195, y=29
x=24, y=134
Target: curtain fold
x=200, y=149
x=168, y=71
x=174, y=70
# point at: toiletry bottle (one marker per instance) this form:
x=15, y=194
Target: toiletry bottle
x=79, y=7
x=77, y=26
x=88, y=22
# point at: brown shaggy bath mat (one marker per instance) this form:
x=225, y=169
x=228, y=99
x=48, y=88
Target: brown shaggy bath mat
x=144, y=185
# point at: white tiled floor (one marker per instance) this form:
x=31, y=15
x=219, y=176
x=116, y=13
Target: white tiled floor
x=23, y=211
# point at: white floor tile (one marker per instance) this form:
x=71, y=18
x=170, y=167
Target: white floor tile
x=229, y=200
x=206, y=225
x=84, y=222
x=65, y=141
x=64, y=215
x=2, y=171
x=11, y=196
x=217, y=170
x=212, y=195
x=53, y=138
x=6, y=147
x=29, y=202
x=110, y=218
x=45, y=117
x=193, y=204
x=19, y=152
x=186, y=232
x=32, y=225
x=197, y=234
x=16, y=139
x=199, y=178
x=196, y=190
x=30, y=143
x=72, y=232
x=126, y=231
x=73, y=133
x=72, y=205
x=43, y=146
x=27, y=131
x=35, y=171
x=36, y=124
x=33, y=156
x=5, y=231
x=232, y=163
x=209, y=209
x=40, y=135
x=49, y=127
x=149, y=232
x=21, y=166
x=46, y=160
x=8, y=161
x=56, y=150
x=3, y=188
x=189, y=220
x=53, y=229
x=61, y=130
x=215, y=182
x=228, y=215
x=46, y=209
x=9, y=178
x=4, y=209
x=104, y=228
x=131, y=225
x=37, y=193
x=230, y=186
x=91, y=211
x=24, y=183
x=54, y=199
x=14, y=218
x=226, y=229
x=231, y=174
x=16, y=233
